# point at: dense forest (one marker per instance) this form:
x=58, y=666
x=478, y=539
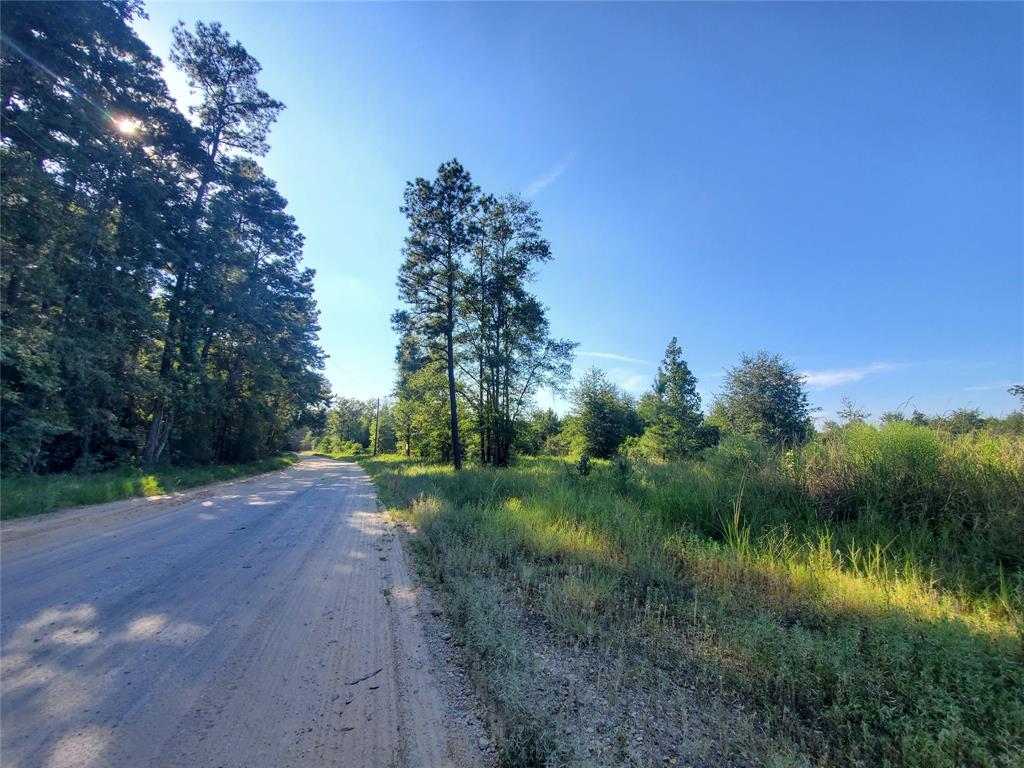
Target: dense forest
x=154, y=304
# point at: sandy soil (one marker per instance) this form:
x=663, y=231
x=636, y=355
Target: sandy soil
x=265, y=622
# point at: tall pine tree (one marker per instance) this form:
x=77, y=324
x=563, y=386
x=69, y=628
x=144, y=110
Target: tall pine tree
x=442, y=230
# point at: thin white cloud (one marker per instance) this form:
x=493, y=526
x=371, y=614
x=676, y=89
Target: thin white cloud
x=615, y=357
x=835, y=377
x=534, y=187
x=635, y=384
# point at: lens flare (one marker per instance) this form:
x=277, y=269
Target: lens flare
x=126, y=125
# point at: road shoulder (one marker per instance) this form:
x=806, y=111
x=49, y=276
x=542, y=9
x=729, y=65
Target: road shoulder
x=20, y=528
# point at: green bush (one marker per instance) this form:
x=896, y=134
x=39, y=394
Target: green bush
x=331, y=446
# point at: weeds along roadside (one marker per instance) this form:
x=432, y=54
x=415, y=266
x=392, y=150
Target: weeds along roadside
x=851, y=636
x=24, y=495
x=498, y=650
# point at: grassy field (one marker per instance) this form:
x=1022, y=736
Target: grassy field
x=864, y=595
x=22, y=495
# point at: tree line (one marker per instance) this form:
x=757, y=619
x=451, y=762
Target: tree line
x=475, y=347
x=154, y=304
x=763, y=396
x=353, y=426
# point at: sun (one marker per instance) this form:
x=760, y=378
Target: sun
x=126, y=125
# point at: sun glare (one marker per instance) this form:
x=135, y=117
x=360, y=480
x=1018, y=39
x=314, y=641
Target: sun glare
x=127, y=126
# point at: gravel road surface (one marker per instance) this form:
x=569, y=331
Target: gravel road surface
x=267, y=622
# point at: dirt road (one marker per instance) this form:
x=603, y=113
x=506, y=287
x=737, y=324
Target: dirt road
x=268, y=622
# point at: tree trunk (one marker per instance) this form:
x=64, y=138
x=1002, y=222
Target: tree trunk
x=165, y=437
x=154, y=444
x=449, y=333
x=456, y=449
x=150, y=453
x=376, y=428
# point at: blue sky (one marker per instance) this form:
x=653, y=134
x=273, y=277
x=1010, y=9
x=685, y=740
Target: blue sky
x=842, y=184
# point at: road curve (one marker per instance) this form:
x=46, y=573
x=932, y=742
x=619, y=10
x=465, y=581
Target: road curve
x=231, y=628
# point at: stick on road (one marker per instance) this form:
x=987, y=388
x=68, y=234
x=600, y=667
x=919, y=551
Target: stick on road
x=266, y=622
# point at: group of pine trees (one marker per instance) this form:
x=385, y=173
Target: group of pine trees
x=475, y=343
x=763, y=396
x=154, y=305
x=475, y=347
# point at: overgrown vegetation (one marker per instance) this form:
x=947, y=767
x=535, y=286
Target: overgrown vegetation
x=352, y=426
x=152, y=294
x=865, y=591
x=23, y=495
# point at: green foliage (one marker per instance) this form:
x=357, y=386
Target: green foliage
x=383, y=438
x=878, y=638
x=967, y=488
x=1017, y=390
x=534, y=433
x=1012, y=424
x=442, y=228
x=603, y=416
x=672, y=409
x=959, y=422
x=153, y=302
x=850, y=413
x=422, y=416
x=233, y=111
x=337, y=449
x=764, y=396
x=672, y=414
x=349, y=420
x=355, y=426
x=468, y=261
x=507, y=350
x=584, y=465
x=23, y=495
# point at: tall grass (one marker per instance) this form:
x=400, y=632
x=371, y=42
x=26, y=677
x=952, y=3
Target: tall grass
x=22, y=495
x=865, y=592
x=959, y=499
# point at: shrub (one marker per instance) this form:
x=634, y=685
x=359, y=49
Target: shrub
x=584, y=465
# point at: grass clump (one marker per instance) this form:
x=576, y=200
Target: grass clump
x=23, y=495
x=865, y=593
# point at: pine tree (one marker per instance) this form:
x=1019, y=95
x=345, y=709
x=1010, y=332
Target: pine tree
x=143, y=265
x=672, y=408
x=233, y=114
x=506, y=327
x=441, y=215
